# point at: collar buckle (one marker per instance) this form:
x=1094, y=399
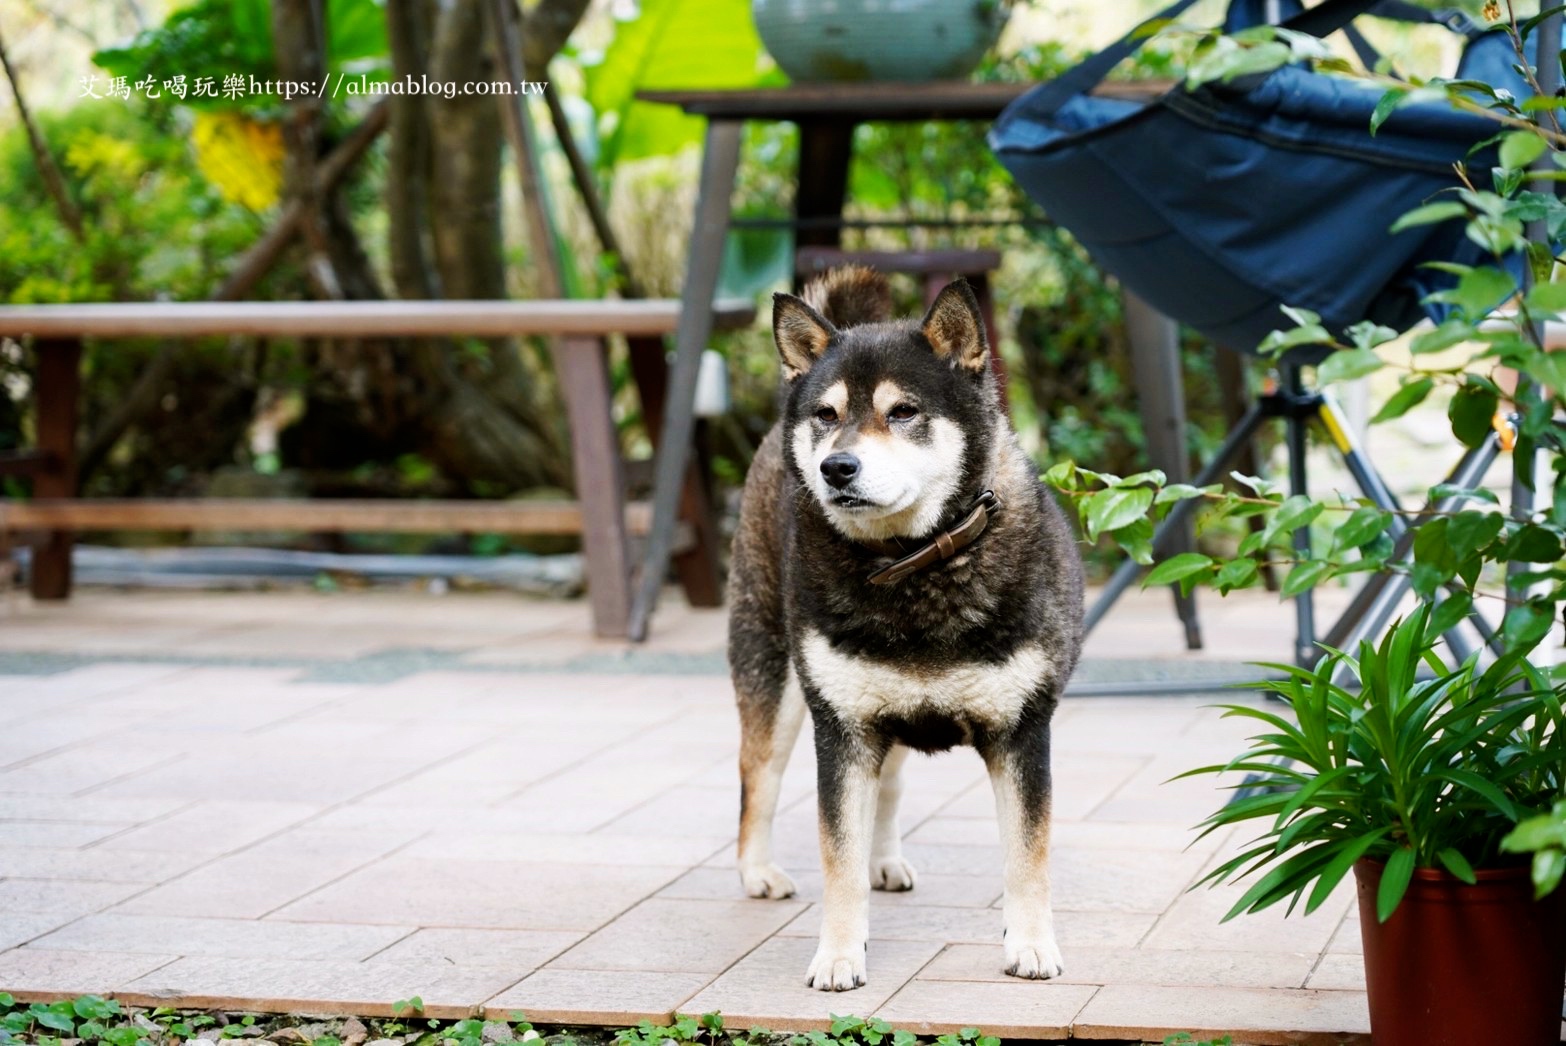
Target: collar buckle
x=946, y=544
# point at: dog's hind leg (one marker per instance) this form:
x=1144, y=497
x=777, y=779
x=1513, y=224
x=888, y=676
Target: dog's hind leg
x=888, y=869
x=1019, y=772
x=769, y=726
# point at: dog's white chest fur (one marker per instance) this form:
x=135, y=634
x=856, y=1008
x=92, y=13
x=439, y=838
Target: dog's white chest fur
x=993, y=694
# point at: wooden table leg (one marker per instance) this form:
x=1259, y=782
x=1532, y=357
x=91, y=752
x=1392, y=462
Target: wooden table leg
x=56, y=396
x=697, y=566
x=719, y=164
x=583, y=369
x=825, y=149
x=1155, y=370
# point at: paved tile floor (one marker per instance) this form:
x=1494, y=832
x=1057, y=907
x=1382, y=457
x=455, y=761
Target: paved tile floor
x=328, y=802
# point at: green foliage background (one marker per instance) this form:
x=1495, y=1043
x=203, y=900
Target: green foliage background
x=158, y=230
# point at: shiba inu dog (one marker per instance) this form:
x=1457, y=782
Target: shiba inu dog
x=900, y=572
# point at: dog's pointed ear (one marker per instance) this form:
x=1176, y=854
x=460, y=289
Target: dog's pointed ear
x=801, y=332
x=954, y=327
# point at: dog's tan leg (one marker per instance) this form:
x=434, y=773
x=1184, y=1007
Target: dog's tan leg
x=839, y=963
x=888, y=869
x=847, y=777
x=766, y=742
x=1022, y=806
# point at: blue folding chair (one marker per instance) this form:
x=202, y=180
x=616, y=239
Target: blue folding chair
x=1221, y=205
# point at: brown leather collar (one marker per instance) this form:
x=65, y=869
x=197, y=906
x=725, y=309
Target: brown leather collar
x=942, y=547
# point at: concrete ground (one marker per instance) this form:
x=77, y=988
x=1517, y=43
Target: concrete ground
x=329, y=802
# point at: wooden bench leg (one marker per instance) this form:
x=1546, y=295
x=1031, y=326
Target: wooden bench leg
x=56, y=396
x=583, y=369
x=697, y=566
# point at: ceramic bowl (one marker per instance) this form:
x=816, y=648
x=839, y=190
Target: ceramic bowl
x=865, y=40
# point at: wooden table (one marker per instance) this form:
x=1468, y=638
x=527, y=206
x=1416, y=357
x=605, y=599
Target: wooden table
x=827, y=115
x=577, y=329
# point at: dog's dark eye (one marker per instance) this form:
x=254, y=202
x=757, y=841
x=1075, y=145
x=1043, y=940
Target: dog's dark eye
x=902, y=412
x=827, y=415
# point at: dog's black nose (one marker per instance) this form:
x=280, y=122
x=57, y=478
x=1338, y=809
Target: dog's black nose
x=840, y=469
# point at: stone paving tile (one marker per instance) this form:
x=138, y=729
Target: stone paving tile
x=34, y=974
x=369, y=816
x=1120, y=880
x=119, y=813
x=316, y=768
x=501, y=767
x=55, y=834
x=1094, y=965
x=81, y=768
x=1266, y=1017
x=1150, y=795
x=234, y=938
x=95, y=864
x=44, y=734
x=1347, y=939
x=214, y=826
x=68, y=897
x=767, y=987
x=598, y=997
x=1194, y=921
x=607, y=786
x=1338, y=973
x=482, y=894
x=212, y=703
x=685, y=810
x=680, y=936
x=253, y=882
x=1015, y=1009
x=20, y=927
x=510, y=949
x=88, y=681
x=600, y=848
x=311, y=986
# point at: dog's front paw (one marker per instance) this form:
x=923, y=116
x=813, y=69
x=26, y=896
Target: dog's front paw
x=1036, y=958
x=766, y=880
x=837, y=969
x=891, y=873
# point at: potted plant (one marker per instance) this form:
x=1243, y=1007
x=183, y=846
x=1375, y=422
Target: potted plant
x=1415, y=781
x=1543, y=836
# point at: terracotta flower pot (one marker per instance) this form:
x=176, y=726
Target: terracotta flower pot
x=1460, y=964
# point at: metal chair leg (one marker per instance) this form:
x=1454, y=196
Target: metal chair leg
x=1160, y=393
x=719, y=164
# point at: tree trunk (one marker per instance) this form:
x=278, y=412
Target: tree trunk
x=409, y=24
x=492, y=425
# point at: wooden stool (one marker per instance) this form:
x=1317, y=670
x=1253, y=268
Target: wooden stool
x=938, y=268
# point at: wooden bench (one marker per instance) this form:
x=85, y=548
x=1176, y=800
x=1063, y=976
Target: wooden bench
x=577, y=328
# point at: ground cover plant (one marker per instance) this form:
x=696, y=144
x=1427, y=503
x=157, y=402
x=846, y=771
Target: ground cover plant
x=89, y=1020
